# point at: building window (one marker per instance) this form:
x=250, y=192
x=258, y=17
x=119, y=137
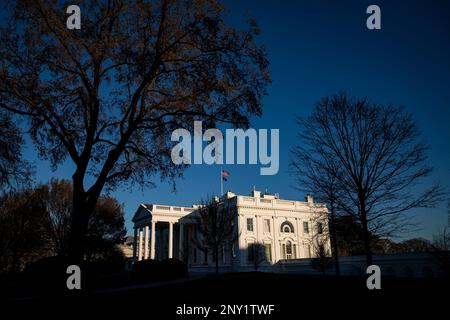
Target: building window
x=250, y=224
x=287, y=227
x=305, y=227
x=268, y=251
x=319, y=228
x=267, y=225
x=288, y=250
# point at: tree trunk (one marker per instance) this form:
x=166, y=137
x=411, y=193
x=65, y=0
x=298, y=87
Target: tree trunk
x=366, y=235
x=83, y=207
x=78, y=230
x=334, y=239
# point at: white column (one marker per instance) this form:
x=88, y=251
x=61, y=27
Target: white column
x=276, y=244
x=180, y=242
x=259, y=236
x=242, y=225
x=299, y=241
x=152, y=241
x=170, y=240
x=258, y=231
x=140, y=245
x=135, y=245
x=146, y=243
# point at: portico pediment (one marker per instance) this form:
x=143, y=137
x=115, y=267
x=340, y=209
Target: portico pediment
x=142, y=213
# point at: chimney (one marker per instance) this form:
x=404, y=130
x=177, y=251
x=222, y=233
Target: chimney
x=229, y=195
x=309, y=199
x=256, y=194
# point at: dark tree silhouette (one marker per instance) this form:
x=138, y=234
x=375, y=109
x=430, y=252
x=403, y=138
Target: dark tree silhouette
x=106, y=227
x=441, y=239
x=349, y=236
x=321, y=260
x=106, y=230
x=35, y=223
x=441, y=250
x=257, y=255
x=22, y=234
x=107, y=96
x=417, y=245
x=379, y=157
x=14, y=171
x=58, y=202
x=316, y=176
x=215, y=225
x=448, y=212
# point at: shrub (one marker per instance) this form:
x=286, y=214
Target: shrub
x=146, y=270
x=153, y=270
x=173, y=268
x=49, y=275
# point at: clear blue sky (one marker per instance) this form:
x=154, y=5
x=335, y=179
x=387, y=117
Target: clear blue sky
x=318, y=48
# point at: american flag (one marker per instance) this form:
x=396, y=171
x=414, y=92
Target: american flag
x=225, y=174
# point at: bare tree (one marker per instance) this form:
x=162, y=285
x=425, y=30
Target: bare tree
x=417, y=245
x=216, y=228
x=107, y=96
x=321, y=260
x=35, y=223
x=58, y=202
x=106, y=230
x=380, y=161
x=441, y=252
x=448, y=212
x=441, y=239
x=316, y=175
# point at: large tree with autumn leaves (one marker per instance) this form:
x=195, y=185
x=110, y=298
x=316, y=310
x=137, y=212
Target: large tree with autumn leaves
x=106, y=97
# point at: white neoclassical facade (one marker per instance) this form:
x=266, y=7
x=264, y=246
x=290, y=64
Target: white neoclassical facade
x=281, y=229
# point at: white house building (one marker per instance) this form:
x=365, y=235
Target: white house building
x=282, y=229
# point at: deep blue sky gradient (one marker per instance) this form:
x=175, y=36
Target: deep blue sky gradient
x=317, y=48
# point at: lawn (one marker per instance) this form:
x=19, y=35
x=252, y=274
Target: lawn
x=288, y=293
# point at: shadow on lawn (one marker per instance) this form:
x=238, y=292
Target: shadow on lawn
x=47, y=278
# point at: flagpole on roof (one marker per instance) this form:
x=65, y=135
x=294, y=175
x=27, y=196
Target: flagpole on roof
x=221, y=182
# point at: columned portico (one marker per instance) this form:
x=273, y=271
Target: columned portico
x=180, y=241
x=135, y=239
x=170, y=240
x=162, y=231
x=152, y=242
x=140, y=245
x=146, y=243
x=158, y=238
